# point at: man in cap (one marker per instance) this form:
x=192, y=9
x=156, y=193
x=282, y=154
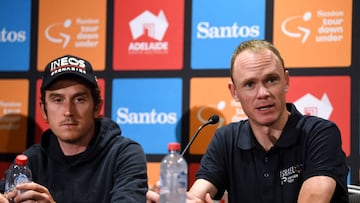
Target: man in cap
x=82, y=157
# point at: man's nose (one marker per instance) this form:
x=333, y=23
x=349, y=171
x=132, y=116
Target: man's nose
x=263, y=91
x=68, y=108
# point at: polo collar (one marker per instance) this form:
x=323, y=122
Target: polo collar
x=288, y=137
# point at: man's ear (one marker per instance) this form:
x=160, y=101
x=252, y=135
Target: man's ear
x=233, y=91
x=287, y=80
x=43, y=111
x=98, y=109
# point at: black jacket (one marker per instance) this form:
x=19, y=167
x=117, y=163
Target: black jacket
x=112, y=169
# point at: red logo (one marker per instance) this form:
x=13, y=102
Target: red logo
x=148, y=35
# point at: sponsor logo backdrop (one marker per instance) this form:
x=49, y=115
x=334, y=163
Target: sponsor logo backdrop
x=217, y=26
x=15, y=35
x=163, y=66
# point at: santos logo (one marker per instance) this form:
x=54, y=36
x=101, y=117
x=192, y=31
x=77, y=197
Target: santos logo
x=205, y=31
x=152, y=117
x=12, y=36
x=154, y=27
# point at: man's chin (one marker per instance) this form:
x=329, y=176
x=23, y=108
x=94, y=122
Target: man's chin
x=68, y=139
x=266, y=121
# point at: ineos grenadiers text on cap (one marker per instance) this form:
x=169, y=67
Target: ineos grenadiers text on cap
x=68, y=65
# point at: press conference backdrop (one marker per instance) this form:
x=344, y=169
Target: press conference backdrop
x=163, y=66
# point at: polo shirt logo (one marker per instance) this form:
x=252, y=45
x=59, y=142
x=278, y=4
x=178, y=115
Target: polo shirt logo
x=291, y=174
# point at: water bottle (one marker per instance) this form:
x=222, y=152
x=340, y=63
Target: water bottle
x=173, y=176
x=19, y=172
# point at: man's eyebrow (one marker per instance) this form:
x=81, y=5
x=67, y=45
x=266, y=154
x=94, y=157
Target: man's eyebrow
x=80, y=94
x=52, y=94
x=248, y=80
x=74, y=95
x=272, y=75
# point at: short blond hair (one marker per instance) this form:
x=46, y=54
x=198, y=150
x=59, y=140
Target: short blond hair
x=254, y=46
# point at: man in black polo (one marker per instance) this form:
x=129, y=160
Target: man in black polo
x=277, y=154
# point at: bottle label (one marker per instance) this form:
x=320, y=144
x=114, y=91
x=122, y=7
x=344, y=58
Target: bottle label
x=182, y=181
x=21, y=178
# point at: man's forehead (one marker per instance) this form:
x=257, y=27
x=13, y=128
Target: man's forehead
x=254, y=60
x=66, y=83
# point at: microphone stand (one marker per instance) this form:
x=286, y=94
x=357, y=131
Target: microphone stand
x=212, y=120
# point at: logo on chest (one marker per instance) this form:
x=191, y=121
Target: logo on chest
x=291, y=174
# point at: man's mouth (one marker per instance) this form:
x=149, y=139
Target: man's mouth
x=264, y=108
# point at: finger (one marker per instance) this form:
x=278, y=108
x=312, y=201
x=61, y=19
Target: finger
x=29, y=201
x=11, y=195
x=28, y=186
x=152, y=196
x=208, y=198
x=34, y=196
x=32, y=186
x=29, y=196
x=190, y=196
x=3, y=198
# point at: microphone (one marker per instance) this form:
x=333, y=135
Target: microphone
x=212, y=120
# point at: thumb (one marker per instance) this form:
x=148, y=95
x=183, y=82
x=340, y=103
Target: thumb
x=208, y=198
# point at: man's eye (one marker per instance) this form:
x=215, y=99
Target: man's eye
x=272, y=79
x=57, y=100
x=249, y=84
x=79, y=99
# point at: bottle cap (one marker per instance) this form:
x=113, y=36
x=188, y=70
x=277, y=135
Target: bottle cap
x=21, y=160
x=174, y=146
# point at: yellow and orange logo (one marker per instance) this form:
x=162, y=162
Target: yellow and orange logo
x=72, y=27
x=13, y=115
x=313, y=34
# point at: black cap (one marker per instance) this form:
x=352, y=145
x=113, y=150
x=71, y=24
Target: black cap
x=68, y=65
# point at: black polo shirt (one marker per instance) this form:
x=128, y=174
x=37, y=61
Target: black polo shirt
x=308, y=146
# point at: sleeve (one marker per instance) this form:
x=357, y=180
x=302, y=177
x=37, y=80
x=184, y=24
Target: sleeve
x=2, y=185
x=130, y=175
x=324, y=154
x=212, y=165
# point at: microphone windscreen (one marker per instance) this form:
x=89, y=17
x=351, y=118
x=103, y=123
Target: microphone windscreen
x=213, y=119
